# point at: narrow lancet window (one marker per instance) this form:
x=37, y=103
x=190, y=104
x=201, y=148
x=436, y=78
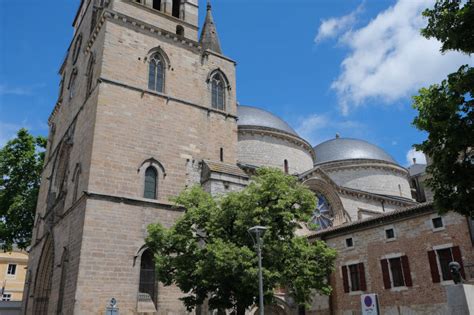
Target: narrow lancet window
x=157, y=5
x=151, y=179
x=218, y=91
x=176, y=8
x=156, y=75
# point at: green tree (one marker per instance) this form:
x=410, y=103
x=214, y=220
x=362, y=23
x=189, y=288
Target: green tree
x=21, y=163
x=209, y=253
x=446, y=111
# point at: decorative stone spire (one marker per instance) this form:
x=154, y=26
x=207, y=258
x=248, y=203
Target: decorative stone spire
x=209, y=38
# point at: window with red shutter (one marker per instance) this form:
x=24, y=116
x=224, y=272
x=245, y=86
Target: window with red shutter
x=406, y=271
x=385, y=274
x=433, y=266
x=363, y=283
x=345, y=280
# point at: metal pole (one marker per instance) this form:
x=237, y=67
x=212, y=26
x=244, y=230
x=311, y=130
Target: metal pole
x=260, y=277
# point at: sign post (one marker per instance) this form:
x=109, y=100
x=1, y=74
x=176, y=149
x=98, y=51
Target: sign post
x=370, y=304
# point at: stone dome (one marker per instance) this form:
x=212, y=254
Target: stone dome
x=348, y=149
x=256, y=117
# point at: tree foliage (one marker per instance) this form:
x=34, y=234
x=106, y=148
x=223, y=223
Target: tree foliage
x=446, y=111
x=209, y=253
x=452, y=23
x=21, y=163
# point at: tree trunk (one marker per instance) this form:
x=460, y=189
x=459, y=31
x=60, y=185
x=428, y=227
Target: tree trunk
x=240, y=309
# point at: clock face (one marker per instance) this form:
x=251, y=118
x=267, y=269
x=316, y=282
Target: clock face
x=323, y=215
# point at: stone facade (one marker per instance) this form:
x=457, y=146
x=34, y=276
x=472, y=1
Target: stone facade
x=110, y=127
x=414, y=237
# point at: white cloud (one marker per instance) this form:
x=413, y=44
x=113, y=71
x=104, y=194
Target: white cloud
x=414, y=154
x=332, y=27
x=8, y=131
x=318, y=128
x=390, y=60
x=5, y=90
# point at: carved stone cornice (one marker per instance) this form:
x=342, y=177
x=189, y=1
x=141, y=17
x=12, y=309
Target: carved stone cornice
x=335, y=166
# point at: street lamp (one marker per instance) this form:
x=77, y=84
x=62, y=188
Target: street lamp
x=259, y=231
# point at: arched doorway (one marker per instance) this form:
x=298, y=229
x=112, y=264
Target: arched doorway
x=44, y=277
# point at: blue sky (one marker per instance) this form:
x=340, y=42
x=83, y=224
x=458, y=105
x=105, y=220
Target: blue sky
x=325, y=66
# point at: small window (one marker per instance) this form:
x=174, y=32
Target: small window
x=389, y=234
x=151, y=177
x=222, y=154
x=445, y=256
x=285, y=163
x=179, y=30
x=437, y=223
x=396, y=272
x=349, y=242
x=354, y=276
x=11, y=270
x=6, y=297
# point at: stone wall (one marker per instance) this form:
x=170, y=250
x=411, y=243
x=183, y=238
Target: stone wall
x=264, y=149
x=378, y=180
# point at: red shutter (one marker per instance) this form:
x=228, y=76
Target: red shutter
x=433, y=266
x=345, y=280
x=458, y=258
x=406, y=271
x=363, y=284
x=385, y=274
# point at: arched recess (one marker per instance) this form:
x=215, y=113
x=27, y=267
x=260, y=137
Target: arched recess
x=279, y=307
x=62, y=285
x=61, y=167
x=76, y=178
x=144, y=170
x=44, y=278
x=321, y=187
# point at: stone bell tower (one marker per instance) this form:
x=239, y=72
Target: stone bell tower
x=143, y=104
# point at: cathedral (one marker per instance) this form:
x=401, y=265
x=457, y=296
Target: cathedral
x=147, y=106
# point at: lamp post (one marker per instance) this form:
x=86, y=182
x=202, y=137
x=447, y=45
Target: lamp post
x=259, y=231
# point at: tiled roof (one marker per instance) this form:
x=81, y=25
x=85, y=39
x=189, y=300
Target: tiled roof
x=380, y=219
x=225, y=168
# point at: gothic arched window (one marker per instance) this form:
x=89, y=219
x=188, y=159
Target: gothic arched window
x=151, y=181
x=323, y=215
x=147, y=275
x=90, y=74
x=156, y=74
x=72, y=83
x=218, y=91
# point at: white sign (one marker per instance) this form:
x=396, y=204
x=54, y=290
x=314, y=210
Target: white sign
x=370, y=304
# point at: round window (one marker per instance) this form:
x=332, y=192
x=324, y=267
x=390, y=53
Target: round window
x=323, y=215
